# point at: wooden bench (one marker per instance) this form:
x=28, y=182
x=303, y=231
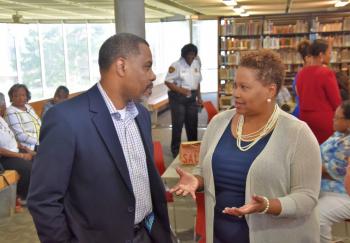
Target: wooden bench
x=38, y=105
x=157, y=101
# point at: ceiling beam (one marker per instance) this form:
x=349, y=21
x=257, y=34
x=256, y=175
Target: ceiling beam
x=42, y=8
x=159, y=10
x=82, y=5
x=190, y=11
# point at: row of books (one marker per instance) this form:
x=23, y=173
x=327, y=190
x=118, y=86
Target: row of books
x=288, y=56
x=338, y=40
x=343, y=25
x=230, y=59
x=226, y=87
x=281, y=42
x=229, y=26
x=231, y=44
x=239, y=44
x=344, y=67
x=301, y=26
x=227, y=72
x=340, y=56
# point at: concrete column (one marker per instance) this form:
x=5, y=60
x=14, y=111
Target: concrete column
x=130, y=16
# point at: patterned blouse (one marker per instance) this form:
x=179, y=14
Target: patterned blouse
x=335, y=151
x=24, y=124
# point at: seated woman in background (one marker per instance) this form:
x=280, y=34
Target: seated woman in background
x=259, y=166
x=334, y=203
x=10, y=156
x=61, y=94
x=22, y=118
x=284, y=99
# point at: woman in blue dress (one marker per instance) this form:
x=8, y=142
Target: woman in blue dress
x=260, y=167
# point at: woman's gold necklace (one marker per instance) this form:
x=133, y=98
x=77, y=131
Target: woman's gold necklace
x=254, y=137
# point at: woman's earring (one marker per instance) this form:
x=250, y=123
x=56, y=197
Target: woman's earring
x=268, y=100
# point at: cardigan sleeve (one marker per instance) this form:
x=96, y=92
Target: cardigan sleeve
x=305, y=176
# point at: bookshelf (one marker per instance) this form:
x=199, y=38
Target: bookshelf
x=282, y=33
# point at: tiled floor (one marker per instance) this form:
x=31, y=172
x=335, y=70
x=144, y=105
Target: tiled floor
x=19, y=228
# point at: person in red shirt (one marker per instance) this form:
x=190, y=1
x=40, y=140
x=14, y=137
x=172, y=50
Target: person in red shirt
x=318, y=92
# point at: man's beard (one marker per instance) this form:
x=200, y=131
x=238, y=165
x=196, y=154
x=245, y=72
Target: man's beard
x=144, y=98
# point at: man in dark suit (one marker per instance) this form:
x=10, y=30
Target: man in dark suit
x=94, y=178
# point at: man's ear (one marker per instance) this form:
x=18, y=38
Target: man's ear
x=120, y=66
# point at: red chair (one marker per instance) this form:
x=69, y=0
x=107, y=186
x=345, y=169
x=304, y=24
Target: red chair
x=160, y=164
x=210, y=108
x=200, y=219
x=158, y=157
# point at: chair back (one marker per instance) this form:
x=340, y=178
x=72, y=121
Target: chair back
x=158, y=157
x=160, y=164
x=210, y=108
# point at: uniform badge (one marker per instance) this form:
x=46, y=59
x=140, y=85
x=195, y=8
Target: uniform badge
x=171, y=69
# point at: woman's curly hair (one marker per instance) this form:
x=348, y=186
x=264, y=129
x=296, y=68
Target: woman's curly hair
x=268, y=65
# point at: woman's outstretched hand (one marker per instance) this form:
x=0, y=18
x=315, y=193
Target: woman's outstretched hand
x=256, y=205
x=188, y=183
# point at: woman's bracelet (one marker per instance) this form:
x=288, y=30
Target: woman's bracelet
x=267, y=205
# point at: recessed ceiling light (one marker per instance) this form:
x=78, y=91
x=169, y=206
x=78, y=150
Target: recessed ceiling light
x=238, y=9
x=341, y=3
x=244, y=14
x=230, y=2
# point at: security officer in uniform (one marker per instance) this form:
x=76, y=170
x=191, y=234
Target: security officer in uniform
x=183, y=80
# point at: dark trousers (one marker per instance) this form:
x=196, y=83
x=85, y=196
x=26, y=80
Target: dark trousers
x=23, y=167
x=184, y=110
x=141, y=236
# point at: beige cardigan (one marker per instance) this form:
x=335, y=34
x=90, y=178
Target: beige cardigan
x=288, y=168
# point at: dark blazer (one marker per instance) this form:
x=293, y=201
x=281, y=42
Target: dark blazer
x=80, y=189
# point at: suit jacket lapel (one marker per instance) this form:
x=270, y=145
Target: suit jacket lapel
x=105, y=127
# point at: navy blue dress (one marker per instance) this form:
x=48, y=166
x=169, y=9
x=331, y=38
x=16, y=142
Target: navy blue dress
x=230, y=169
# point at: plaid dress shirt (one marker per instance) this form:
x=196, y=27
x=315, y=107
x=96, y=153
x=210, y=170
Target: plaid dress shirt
x=134, y=153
